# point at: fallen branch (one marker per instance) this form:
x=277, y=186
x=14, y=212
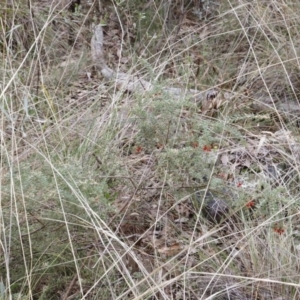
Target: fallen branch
x=132, y=83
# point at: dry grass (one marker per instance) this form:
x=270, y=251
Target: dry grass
x=104, y=194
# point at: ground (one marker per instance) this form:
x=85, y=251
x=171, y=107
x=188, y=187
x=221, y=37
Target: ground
x=111, y=193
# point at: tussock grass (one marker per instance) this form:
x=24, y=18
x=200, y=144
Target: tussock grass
x=103, y=193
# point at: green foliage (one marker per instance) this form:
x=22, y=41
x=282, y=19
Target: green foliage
x=56, y=199
x=176, y=127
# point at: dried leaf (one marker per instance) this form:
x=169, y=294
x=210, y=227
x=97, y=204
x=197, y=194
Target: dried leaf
x=260, y=144
x=181, y=220
x=170, y=250
x=225, y=159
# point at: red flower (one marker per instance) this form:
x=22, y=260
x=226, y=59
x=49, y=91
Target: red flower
x=207, y=148
x=239, y=184
x=138, y=149
x=250, y=204
x=279, y=230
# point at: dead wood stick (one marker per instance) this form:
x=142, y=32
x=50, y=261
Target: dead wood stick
x=129, y=82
